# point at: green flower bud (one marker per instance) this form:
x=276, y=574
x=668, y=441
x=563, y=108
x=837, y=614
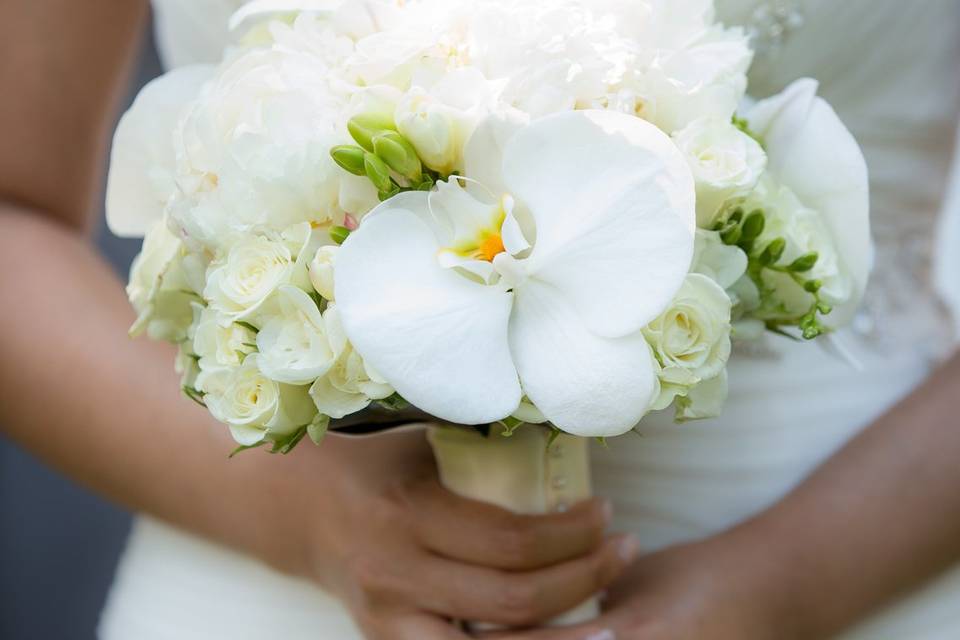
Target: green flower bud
x=773, y=251
x=753, y=225
x=804, y=262
x=365, y=126
x=378, y=172
x=824, y=308
x=339, y=234
x=349, y=158
x=736, y=216
x=731, y=234
x=399, y=154
x=812, y=286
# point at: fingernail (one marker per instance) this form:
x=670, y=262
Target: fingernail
x=606, y=634
x=629, y=548
x=607, y=511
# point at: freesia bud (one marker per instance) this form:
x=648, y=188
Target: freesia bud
x=378, y=172
x=773, y=251
x=350, y=158
x=804, y=262
x=339, y=234
x=399, y=154
x=365, y=126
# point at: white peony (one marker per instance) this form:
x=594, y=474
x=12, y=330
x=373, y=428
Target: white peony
x=725, y=161
x=253, y=149
x=464, y=312
x=293, y=342
x=350, y=384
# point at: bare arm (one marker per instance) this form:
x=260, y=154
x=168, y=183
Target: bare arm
x=358, y=518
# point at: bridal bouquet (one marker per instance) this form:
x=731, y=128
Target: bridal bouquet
x=504, y=212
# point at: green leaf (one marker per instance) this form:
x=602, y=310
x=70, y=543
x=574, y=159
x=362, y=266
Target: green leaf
x=246, y=447
x=194, y=394
x=510, y=425
x=285, y=444
x=394, y=402
x=318, y=428
x=247, y=325
x=339, y=234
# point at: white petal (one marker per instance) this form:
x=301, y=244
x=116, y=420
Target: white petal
x=334, y=402
x=438, y=338
x=142, y=163
x=483, y=153
x=613, y=201
x=584, y=384
x=812, y=152
x=258, y=11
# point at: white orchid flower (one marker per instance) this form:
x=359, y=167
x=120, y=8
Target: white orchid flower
x=810, y=151
x=464, y=306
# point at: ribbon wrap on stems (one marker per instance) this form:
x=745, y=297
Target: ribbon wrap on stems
x=524, y=473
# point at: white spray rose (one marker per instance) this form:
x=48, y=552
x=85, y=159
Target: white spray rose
x=293, y=343
x=350, y=385
x=158, y=287
x=219, y=343
x=252, y=271
x=691, y=339
x=321, y=270
x=726, y=163
x=253, y=405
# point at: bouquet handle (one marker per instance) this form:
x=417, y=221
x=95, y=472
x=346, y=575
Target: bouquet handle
x=525, y=473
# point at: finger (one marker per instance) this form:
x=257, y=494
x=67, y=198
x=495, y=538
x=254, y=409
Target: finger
x=419, y=627
x=597, y=630
x=483, y=534
x=517, y=599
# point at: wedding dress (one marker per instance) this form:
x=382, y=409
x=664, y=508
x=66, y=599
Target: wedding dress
x=890, y=68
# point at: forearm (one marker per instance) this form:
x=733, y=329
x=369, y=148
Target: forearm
x=877, y=519
x=106, y=410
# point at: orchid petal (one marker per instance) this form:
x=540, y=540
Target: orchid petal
x=438, y=338
x=811, y=151
x=142, y=162
x=613, y=202
x=483, y=153
x=584, y=384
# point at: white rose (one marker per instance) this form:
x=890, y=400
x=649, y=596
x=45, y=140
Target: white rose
x=805, y=231
x=254, y=406
x=253, y=270
x=349, y=385
x=726, y=163
x=158, y=287
x=293, y=343
x=691, y=339
x=321, y=270
x=219, y=343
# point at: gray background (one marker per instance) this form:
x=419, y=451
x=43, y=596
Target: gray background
x=59, y=543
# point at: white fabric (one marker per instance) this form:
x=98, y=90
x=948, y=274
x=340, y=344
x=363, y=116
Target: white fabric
x=889, y=68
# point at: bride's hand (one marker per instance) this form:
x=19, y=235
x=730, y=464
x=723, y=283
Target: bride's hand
x=405, y=555
x=687, y=592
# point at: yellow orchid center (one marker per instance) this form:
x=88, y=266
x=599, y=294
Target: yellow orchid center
x=490, y=246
